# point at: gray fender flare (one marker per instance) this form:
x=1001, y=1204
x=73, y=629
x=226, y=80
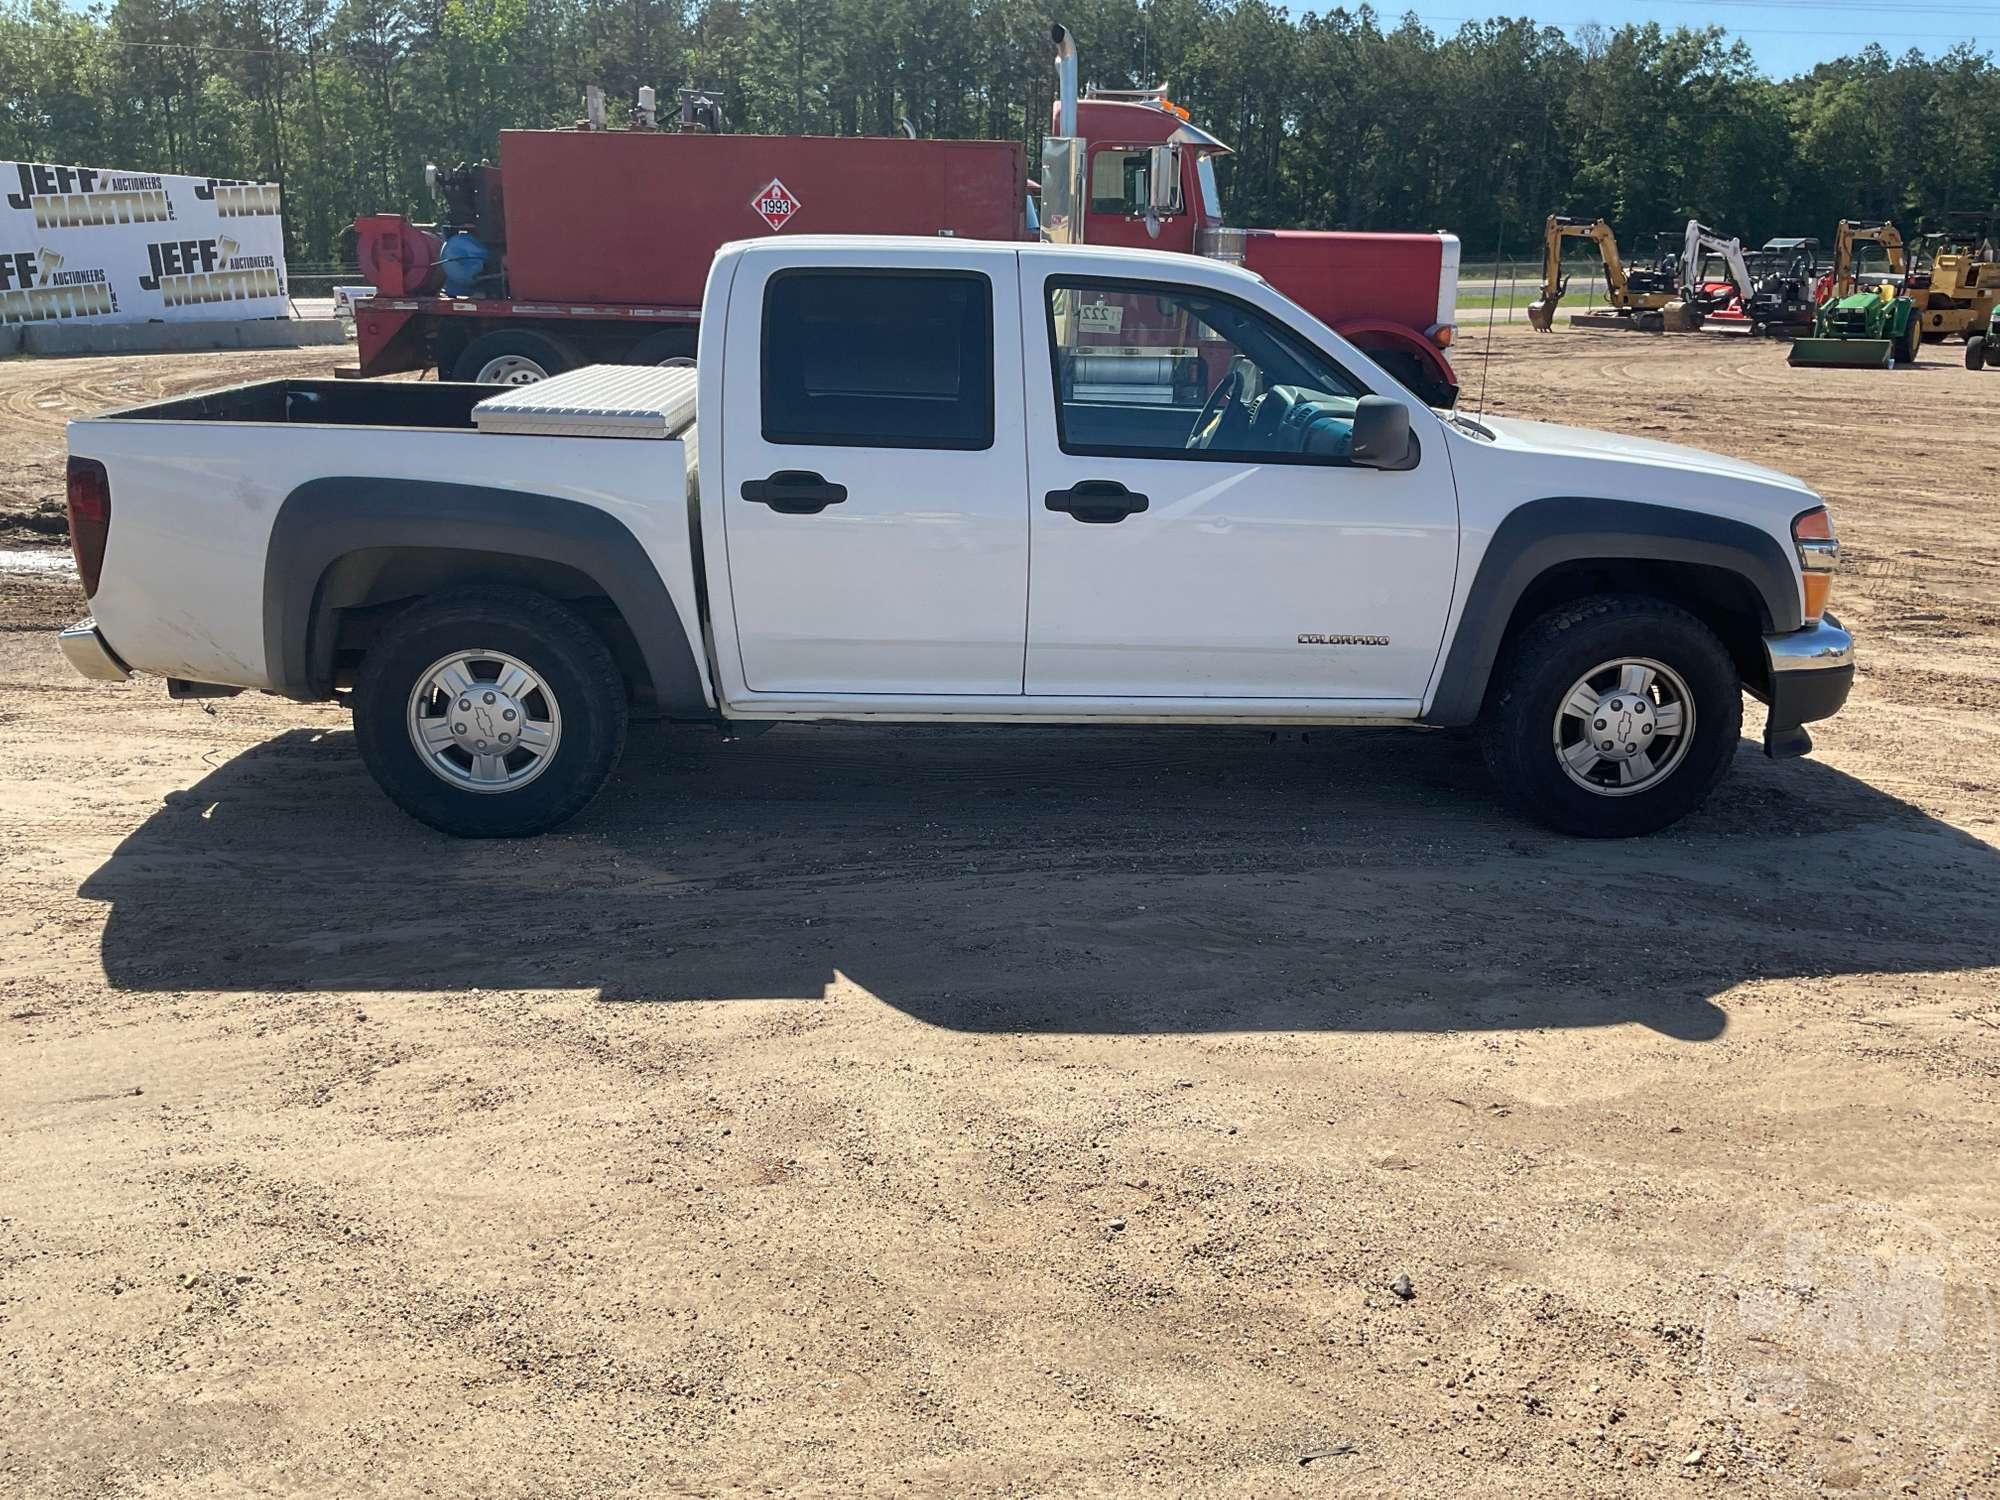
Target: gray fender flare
x=324, y=520
x=1545, y=534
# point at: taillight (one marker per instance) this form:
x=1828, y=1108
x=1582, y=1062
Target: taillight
x=1819, y=557
x=89, y=518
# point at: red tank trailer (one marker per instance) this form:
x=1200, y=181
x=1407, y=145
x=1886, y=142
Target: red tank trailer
x=593, y=245
x=603, y=238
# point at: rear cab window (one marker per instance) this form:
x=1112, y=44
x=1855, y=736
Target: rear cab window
x=865, y=359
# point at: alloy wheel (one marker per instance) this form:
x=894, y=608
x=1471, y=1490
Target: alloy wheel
x=1624, y=726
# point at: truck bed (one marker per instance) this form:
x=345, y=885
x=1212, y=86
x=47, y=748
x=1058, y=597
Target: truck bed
x=628, y=401
x=434, y=405
x=198, y=486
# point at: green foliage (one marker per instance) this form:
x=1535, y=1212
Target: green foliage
x=1341, y=118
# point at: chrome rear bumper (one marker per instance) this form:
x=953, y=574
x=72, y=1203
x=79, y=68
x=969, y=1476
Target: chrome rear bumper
x=87, y=652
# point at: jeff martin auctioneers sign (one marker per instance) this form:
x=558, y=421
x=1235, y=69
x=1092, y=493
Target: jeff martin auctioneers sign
x=89, y=245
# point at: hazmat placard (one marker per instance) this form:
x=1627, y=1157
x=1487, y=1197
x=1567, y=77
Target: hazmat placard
x=99, y=245
x=775, y=204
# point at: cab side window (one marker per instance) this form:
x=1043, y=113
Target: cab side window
x=1120, y=182
x=858, y=359
x=1155, y=370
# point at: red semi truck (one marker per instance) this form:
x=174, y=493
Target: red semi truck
x=592, y=245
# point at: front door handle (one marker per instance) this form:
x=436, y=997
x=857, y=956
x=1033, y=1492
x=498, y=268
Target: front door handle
x=794, y=492
x=1101, y=502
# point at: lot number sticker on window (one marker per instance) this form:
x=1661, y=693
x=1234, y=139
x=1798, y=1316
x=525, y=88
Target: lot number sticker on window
x=1100, y=317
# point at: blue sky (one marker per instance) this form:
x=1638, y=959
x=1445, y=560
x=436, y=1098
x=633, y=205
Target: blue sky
x=1787, y=36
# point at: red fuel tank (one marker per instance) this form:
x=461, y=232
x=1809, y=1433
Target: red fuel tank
x=634, y=216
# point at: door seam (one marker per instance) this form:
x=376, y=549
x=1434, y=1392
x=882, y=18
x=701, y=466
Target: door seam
x=1027, y=464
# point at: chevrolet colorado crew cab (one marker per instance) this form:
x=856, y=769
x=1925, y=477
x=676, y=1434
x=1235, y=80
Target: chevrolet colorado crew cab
x=943, y=481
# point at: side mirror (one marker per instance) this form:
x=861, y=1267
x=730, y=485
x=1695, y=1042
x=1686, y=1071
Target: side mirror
x=1163, y=180
x=1381, y=434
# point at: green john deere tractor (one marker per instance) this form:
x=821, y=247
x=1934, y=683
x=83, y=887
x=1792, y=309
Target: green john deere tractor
x=1980, y=347
x=1864, y=330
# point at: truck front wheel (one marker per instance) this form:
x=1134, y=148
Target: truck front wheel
x=490, y=713
x=513, y=356
x=1612, y=716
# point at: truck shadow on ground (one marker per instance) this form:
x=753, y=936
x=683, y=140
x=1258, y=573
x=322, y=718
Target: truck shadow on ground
x=1115, y=880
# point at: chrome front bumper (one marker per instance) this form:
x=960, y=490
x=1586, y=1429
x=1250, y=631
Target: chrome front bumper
x=1817, y=648
x=1811, y=673
x=88, y=653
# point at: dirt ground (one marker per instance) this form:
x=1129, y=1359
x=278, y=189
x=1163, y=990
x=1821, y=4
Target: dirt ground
x=1011, y=1112
x=38, y=395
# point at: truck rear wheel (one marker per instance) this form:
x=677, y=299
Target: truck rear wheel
x=490, y=712
x=513, y=356
x=1612, y=717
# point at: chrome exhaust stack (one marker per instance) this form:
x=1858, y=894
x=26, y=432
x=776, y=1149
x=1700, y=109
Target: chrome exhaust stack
x=1065, y=46
x=1062, y=206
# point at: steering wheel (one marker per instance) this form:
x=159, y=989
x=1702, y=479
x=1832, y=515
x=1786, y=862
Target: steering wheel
x=1210, y=421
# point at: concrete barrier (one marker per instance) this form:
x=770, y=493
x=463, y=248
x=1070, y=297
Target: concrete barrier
x=176, y=338
x=10, y=341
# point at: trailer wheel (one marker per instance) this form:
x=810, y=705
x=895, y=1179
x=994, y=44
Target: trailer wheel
x=1975, y=352
x=514, y=356
x=669, y=346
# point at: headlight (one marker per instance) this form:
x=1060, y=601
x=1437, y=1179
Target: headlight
x=1819, y=558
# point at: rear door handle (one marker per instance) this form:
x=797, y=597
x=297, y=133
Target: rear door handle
x=1100, y=502
x=794, y=492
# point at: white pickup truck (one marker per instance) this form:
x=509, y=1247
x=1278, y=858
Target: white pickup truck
x=943, y=481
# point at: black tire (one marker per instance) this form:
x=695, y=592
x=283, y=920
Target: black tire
x=667, y=346
x=552, y=355
x=1913, y=342
x=1518, y=730
x=555, y=643
x=1975, y=352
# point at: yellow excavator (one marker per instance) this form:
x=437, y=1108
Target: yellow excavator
x=1649, y=298
x=1853, y=232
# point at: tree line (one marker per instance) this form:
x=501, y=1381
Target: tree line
x=1342, y=119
